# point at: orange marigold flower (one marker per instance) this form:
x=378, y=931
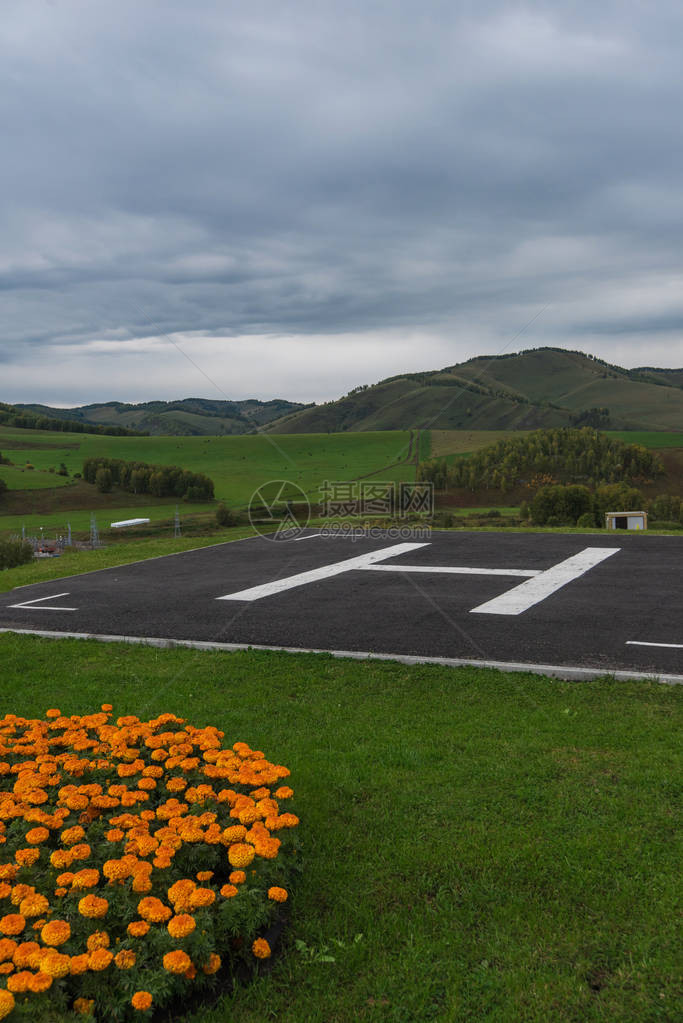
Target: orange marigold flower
x=153, y=910
x=5, y=889
x=6, y=968
x=84, y=1006
x=26, y=857
x=201, y=897
x=6, y=1003
x=13, y=923
x=56, y=932
x=8, y=871
x=93, y=907
x=213, y=965
x=19, y=982
x=137, y=928
x=106, y=707
x=237, y=877
x=23, y=953
x=180, y=892
x=177, y=961
x=261, y=948
x=234, y=834
x=204, y=875
x=54, y=963
x=53, y=712
x=141, y=882
x=7, y=949
x=141, y=1000
x=87, y=878
x=284, y=792
x=228, y=891
x=182, y=925
x=33, y=905
x=72, y=835
x=241, y=854
x=125, y=959
x=61, y=858
x=176, y=784
x=40, y=982
x=19, y=893
x=115, y=835
x=37, y=835
x=98, y=939
x=277, y=894
x=100, y=959
x=79, y=964
x=81, y=851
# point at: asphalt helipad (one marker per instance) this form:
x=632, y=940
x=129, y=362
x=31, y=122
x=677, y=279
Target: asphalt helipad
x=581, y=604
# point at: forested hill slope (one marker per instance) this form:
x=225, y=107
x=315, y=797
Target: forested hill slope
x=544, y=387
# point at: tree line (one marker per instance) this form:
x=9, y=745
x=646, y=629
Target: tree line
x=563, y=455
x=144, y=478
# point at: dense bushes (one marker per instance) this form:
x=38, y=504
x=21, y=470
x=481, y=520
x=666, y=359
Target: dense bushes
x=667, y=507
x=224, y=517
x=563, y=503
x=15, y=552
x=142, y=478
x=577, y=506
x=582, y=456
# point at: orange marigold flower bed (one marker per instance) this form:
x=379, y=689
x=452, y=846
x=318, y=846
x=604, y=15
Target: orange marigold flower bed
x=136, y=826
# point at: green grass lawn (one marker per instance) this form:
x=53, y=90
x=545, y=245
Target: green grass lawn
x=478, y=845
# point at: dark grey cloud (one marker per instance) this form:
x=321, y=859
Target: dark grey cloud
x=331, y=171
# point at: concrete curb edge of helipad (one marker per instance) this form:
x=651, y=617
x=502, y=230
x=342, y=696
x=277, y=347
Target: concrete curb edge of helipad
x=566, y=672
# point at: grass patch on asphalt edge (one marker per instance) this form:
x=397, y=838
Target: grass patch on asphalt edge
x=478, y=845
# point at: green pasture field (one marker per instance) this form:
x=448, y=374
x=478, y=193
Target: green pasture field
x=476, y=845
x=237, y=465
x=30, y=479
x=461, y=442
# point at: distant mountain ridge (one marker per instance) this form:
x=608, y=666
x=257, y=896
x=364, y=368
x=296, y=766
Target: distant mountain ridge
x=532, y=389
x=185, y=417
x=536, y=388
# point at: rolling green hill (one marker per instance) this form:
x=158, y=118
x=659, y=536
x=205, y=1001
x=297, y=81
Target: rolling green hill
x=545, y=387
x=190, y=417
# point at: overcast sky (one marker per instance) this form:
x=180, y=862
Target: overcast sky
x=306, y=196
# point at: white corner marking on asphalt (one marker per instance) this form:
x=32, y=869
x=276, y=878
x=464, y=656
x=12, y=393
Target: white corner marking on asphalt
x=324, y=572
x=533, y=591
x=30, y=605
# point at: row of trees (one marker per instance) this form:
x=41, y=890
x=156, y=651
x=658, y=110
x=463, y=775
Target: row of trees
x=10, y=416
x=143, y=478
x=566, y=455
